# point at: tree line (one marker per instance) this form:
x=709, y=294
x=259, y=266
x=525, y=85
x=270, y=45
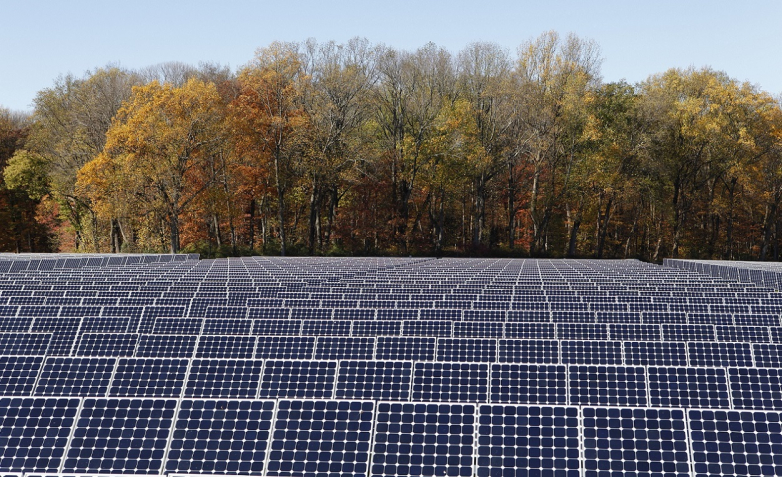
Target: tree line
x=364, y=149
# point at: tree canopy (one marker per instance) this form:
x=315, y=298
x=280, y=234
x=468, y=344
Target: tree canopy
x=356, y=148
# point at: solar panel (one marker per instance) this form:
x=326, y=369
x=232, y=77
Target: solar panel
x=149, y=377
x=105, y=344
x=423, y=439
x=719, y=354
x=127, y=435
x=528, y=351
x=735, y=443
x=231, y=347
x=378, y=380
x=688, y=387
x=339, y=347
x=285, y=347
x=467, y=350
x=756, y=388
x=405, y=348
x=298, y=379
x=455, y=382
x=223, y=378
x=528, y=384
x=225, y=436
x=63, y=376
x=34, y=432
x=655, y=353
x=166, y=346
x=25, y=343
x=18, y=375
x=607, y=385
x=635, y=442
x=321, y=438
x=591, y=352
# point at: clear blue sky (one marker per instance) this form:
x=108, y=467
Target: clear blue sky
x=40, y=40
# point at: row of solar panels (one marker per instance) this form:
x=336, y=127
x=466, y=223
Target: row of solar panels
x=203, y=308
x=670, y=353
x=657, y=386
x=359, y=438
x=757, y=328
x=765, y=274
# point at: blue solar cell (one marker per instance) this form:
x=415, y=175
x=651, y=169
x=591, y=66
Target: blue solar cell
x=455, y=382
x=166, y=346
x=705, y=353
x=220, y=437
x=655, y=353
x=529, y=351
x=688, y=387
x=354, y=314
x=607, y=385
x=467, y=349
x=298, y=379
x=341, y=347
x=34, y=432
x=423, y=439
x=591, y=352
x=618, y=317
x=526, y=440
x=405, y=348
x=230, y=346
x=18, y=375
x=635, y=443
x=386, y=380
x=735, y=443
x=62, y=376
x=149, y=377
x=756, y=388
x=120, y=436
x=321, y=438
x=528, y=384
x=223, y=378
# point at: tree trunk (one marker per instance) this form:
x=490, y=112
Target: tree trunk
x=280, y=203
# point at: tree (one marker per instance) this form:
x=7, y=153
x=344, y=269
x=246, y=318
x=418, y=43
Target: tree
x=155, y=149
x=269, y=118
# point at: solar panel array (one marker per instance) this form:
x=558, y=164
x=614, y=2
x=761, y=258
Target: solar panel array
x=166, y=364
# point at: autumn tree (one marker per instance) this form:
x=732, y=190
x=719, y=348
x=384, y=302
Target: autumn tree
x=269, y=118
x=155, y=150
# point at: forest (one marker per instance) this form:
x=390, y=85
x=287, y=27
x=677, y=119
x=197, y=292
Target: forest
x=363, y=149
